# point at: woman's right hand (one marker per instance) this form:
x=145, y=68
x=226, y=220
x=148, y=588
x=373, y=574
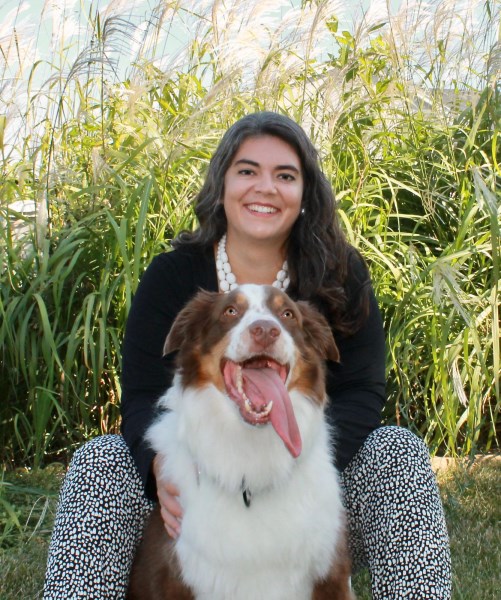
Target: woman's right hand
x=168, y=498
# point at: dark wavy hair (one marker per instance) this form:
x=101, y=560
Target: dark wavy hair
x=323, y=267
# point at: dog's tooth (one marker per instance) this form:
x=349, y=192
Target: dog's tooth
x=268, y=408
x=240, y=382
x=248, y=405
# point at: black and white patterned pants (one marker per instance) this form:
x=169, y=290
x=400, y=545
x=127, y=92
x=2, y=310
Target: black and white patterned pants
x=396, y=520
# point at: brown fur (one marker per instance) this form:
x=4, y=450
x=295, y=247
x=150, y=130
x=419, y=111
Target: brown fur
x=156, y=574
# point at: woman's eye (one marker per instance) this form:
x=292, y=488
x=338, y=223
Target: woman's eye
x=287, y=177
x=246, y=172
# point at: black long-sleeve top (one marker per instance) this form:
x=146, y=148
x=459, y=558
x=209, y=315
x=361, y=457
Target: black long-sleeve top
x=355, y=386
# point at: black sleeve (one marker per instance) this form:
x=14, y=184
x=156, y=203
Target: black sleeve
x=165, y=287
x=356, y=386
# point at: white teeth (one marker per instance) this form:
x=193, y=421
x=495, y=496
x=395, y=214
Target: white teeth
x=262, y=209
x=263, y=413
x=267, y=410
x=240, y=385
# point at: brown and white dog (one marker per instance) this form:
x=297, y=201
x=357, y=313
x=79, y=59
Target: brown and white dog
x=245, y=440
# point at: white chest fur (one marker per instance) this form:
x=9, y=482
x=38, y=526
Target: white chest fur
x=285, y=540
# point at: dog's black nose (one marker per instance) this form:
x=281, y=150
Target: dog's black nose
x=264, y=332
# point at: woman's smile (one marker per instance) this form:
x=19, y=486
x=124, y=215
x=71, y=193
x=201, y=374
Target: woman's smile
x=260, y=208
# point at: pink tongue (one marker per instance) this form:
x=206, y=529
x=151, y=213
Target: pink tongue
x=263, y=385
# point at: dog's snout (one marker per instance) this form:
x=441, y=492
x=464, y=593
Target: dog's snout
x=264, y=332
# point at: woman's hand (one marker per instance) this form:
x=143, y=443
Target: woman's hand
x=170, y=508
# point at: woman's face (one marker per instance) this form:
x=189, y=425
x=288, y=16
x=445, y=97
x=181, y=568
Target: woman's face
x=263, y=189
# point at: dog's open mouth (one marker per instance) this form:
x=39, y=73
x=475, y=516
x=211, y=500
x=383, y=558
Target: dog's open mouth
x=258, y=388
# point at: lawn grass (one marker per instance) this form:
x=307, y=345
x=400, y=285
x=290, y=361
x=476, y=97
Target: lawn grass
x=471, y=496
x=27, y=507
x=472, y=501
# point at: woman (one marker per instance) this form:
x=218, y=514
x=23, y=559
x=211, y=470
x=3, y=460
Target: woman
x=266, y=215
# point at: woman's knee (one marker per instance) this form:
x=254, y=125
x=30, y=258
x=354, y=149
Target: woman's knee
x=391, y=459
x=392, y=446
x=104, y=462
x=101, y=448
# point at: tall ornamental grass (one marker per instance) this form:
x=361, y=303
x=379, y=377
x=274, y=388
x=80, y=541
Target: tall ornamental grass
x=109, y=149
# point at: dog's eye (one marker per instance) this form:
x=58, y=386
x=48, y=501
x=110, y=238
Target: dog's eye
x=287, y=314
x=230, y=311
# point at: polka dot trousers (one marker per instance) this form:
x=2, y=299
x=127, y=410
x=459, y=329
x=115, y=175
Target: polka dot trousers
x=396, y=521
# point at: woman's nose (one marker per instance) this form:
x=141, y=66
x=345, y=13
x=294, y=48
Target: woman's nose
x=265, y=184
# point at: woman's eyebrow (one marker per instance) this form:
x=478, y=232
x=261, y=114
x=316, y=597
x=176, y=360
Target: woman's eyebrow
x=253, y=163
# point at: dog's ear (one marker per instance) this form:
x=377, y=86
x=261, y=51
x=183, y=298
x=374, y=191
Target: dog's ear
x=190, y=321
x=318, y=332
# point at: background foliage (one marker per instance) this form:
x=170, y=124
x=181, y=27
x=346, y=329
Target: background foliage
x=405, y=110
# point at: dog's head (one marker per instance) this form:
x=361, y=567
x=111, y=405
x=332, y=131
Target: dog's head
x=255, y=345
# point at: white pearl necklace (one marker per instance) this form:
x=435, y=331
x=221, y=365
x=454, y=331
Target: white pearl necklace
x=228, y=281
